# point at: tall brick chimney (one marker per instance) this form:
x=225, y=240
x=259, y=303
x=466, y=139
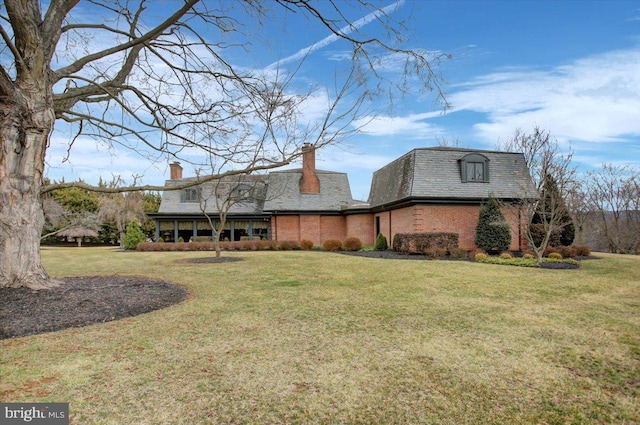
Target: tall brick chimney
x=176, y=170
x=309, y=182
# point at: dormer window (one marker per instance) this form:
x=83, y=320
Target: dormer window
x=242, y=191
x=474, y=168
x=190, y=195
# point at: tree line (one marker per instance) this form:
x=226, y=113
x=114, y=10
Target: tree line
x=599, y=208
x=75, y=213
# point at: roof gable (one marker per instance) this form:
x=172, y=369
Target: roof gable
x=284, y=192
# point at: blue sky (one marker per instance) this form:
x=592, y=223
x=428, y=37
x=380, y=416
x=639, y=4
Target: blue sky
x=570, y=67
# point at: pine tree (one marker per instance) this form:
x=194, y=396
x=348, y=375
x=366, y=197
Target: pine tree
x=554, y=205
x=492, y=232
x=133, y=236
x=381, y=243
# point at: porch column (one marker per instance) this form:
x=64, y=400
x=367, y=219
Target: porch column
x=195, y=229
x=157, y=235
x=175, y=231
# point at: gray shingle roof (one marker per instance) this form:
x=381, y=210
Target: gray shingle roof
x=173, y=203
x=435, y=174
x=284, y=192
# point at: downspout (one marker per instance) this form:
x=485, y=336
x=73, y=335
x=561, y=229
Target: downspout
x=275, y=227
x=390, y=236
x=520, y=228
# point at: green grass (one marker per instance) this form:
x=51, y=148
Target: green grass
x=307, y=337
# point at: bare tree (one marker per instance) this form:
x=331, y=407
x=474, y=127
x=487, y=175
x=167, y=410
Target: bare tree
x=162, y=82
x=553, y=177
x=121, y=208
x=58, y=219
x=614, y=197
x=217, y=198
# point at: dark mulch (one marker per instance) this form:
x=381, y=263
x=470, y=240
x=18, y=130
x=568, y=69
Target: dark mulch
x=82, y=301
x=211, y=260
x=388, y=254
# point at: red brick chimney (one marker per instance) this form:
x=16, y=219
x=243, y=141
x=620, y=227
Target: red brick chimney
x=176, y=170
x=309, y=182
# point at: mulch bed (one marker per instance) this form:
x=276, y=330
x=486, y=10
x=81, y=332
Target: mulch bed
x=82, y=301
x=210, y=260
x=388, y=254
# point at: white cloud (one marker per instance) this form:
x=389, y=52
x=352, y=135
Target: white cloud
x=595, y=99
x=412, y=126
x=346, y=30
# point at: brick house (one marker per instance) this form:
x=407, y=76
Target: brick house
x=436, y=189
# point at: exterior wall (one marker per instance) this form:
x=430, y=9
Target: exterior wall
x=316, y=228
x=310, y=228
x=285, y=227
x=332, y=227
x=362, y=227
x=461, y=219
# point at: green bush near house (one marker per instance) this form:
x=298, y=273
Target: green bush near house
x=134, y=236
x=492, y=232
x=381, y=243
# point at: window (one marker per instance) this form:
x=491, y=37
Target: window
x=190, y=195
x=474, y=168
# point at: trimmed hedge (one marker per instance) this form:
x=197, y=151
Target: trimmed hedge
x=425, y=243
x=255, y=245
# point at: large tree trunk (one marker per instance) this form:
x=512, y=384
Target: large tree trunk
x=24, y=131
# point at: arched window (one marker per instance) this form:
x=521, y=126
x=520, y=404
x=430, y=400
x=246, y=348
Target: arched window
x=474, y=167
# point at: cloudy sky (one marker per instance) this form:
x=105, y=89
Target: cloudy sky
x=570, y=67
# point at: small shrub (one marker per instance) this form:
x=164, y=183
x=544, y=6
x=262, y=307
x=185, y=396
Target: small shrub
x=506, y=256
x=306, y=244
x=332, y=245
x=352, y=244
x=134, y=236
x=528, y=256
x=481, y=256
x=180, y=239
x=566, y=251
x=381, y=243
x=555, y=256
x=582, y=251
x=288, y=245
x=160, y=240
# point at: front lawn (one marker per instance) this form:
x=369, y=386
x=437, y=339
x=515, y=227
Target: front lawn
x=303, y=337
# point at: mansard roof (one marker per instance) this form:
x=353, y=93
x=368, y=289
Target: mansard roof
x=436, y=174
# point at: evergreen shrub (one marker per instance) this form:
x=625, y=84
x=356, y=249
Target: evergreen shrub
x=134, y=236
x=381, y=243
x=492, y=232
